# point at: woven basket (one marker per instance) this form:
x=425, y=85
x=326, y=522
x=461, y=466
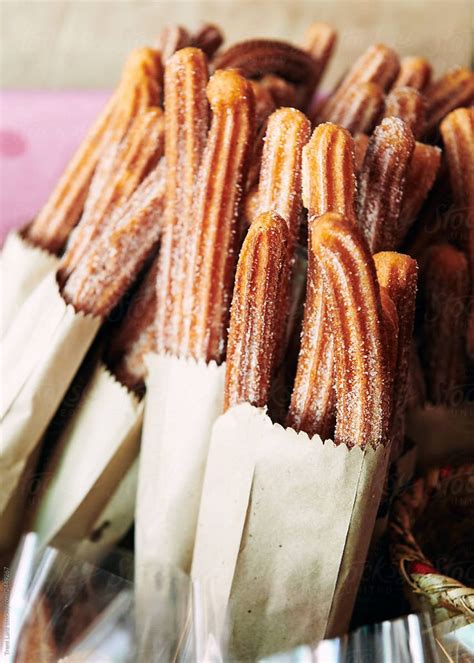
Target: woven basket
x=426, y=586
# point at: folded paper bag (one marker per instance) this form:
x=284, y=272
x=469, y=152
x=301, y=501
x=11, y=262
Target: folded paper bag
x=184, y=398
x=283, y=531
x=92, y=454
x=23, y=267
x=41, y=352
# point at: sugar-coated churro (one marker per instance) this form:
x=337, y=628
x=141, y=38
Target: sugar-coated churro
x=255, y=316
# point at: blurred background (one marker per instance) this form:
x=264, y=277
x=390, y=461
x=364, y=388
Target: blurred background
x=81, y=43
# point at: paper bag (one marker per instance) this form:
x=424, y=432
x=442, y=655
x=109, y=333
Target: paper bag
x=283, y=531
x=442, y=435
x=184, y=398
x=92, y=455
x=23, y=267
x=41, y=353
x=113, y=522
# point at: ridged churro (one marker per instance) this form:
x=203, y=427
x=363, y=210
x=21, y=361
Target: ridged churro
x=379, y=65
x=457, y=130
x=409, y=105
x=257, y=57
x=445, y=289
x=352, y=295
x=116, y=178
x=279, y=190
x=264, y=103
x=329, y=182
x=208, y=38
x=415, y=72
x=113, y=261
x=382, y=181
x=255, y=315
x=454, y=89
x=398, y=275
x=186, y=124
x=282, y=92
x=136, y=336
x=360, y=108
x=319, y=41
x=139, y=88
x=212, y=246
x=420, y=177
x=312, y=406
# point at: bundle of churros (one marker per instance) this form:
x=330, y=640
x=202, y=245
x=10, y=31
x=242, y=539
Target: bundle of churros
x=249, y=250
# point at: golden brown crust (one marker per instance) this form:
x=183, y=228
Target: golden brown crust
x=136, y=336
x=414, y=72
x=255, y=316
x=312, y=406
x=353, y=300
x=457, y=130
x=382, y=181
x=397, y=274
x=390, y=333
x=359, y=108
x=113, y=262
x=279, y=190
x=409, y=105
x=329, y=182
x=454, y=89
x=319, y=41
x=420, y=177
x=378, y=64
x=186, y=123
x=139, y=88
x=118, y=174
x=212, y=240
x=445, y=290
x=264, y=103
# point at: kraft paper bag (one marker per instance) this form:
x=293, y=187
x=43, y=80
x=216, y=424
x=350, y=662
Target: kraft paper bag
x=94, y=452
x=284, y=527
x=441, y=434
x=22, y=267
x=184, y=398
x=40, y=354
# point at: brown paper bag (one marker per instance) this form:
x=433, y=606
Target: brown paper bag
x=23, y=267
x=92, y=455
x=41, y=352
x=283, y=531
x=442, y=434
x=184, y=398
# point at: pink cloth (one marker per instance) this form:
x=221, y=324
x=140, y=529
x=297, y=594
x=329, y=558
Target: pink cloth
x=39, y=132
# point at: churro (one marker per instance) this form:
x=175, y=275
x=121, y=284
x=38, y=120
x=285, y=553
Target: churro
x=382, y=181
x=112, y=263
x=116, y=178
x=397, y=274
x=457, y=130
x=211, y=250
x=255, y=316
x=354, y=311
x=329, y=182
x=186, y=124
x=409, y=105
x=415, y=72
x=454, y=89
